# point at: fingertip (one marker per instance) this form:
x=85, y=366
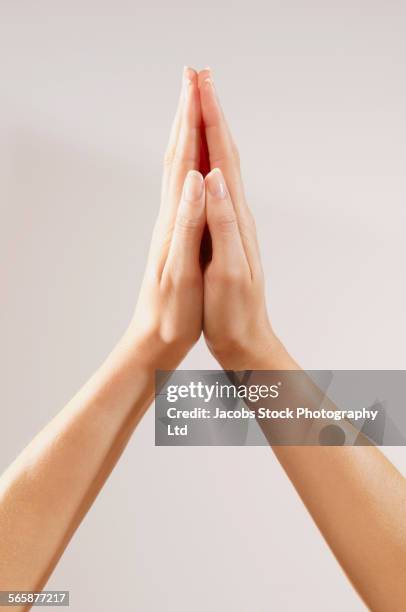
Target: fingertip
x=209, y=99
x=189, y=73
x=203, y=75
x=189, y=79
x=216, y=185
x=214, y=171
x=194, y=186
x=195, y=173
x=191, y=106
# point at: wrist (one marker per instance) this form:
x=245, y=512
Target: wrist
x=278, y=358
x=151, y=351
x=266, y=353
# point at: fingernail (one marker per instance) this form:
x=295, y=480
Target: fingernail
x=193, y=189
x=185, y=74
x=209, y=76
x=216, y=184
x=186, y=80
x=209, y=82
x=186, y=87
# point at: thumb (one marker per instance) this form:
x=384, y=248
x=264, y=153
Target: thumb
x=228, y=250
x=184, y=250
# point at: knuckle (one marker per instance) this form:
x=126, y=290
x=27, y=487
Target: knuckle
x=230, y=277
x=230, y=154
x=226, y=222
x=234, y=278
x=186, y=223
x=191, y=279
x=183, y=158
x=181, y=278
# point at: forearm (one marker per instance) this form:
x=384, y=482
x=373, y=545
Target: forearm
x=46, y=492
x=358, y=500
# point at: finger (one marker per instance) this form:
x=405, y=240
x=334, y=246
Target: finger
x=188, y=113
x=183, y=261
x=187, y=153
x=223, y=153
x=187, y=75
x=221, y=147
x=227, y=249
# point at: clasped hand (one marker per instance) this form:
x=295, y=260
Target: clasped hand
x=184, y=292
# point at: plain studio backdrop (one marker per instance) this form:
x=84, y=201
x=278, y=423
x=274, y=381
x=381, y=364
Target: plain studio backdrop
x=315, y=94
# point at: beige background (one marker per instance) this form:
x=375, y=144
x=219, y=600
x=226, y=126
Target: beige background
x=315, y=93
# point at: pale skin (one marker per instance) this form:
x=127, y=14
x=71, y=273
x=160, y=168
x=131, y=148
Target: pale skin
x=354, y=494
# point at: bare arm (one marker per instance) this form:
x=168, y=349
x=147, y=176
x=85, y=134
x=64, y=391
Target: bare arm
x=46, y=492
x=357, y=498
x=48, y=489
x=355, y=495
